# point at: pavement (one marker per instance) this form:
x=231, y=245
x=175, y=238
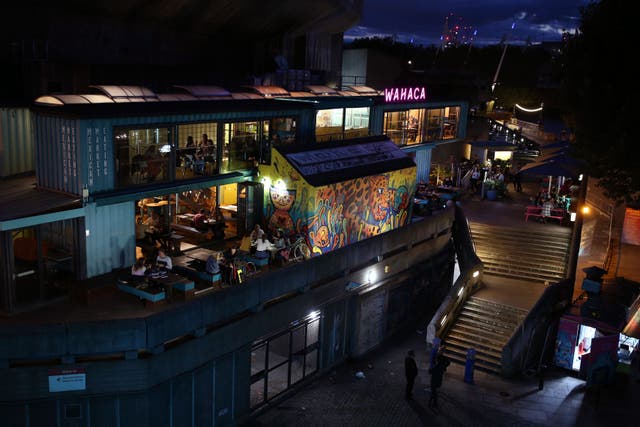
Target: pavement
x=339, y=398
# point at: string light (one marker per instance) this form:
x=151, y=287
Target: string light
x=529, y=110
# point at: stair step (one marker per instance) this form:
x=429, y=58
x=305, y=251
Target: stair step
x=497, y=340
x=494, y=352
x=504, y=314
x=541, y=278
x=483, y=322
x=480, y=364
x=497, y=307
x=513, y=255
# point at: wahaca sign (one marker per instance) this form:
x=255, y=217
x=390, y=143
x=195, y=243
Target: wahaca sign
x=403, y=94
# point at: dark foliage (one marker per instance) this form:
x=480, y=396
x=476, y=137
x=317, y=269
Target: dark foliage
x=597, y=88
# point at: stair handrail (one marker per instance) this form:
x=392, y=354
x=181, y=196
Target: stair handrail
x=522, y=345
x=469, y=280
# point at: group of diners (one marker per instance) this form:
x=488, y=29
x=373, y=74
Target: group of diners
x=144, y=267
x=197, y=156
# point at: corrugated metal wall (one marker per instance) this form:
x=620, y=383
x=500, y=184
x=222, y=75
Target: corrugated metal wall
x=110, y=240
x=57, y=153
x=17, y=149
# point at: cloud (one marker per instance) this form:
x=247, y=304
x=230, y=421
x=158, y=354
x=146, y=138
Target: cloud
x=424, y=19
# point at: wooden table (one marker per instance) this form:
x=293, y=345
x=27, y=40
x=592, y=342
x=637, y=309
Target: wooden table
x=170, y=281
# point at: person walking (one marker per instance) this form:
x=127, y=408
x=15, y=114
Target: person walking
x=410, y=372
x=437, y=373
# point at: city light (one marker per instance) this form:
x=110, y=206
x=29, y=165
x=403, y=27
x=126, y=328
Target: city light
x=585, y=210
x=476, y=273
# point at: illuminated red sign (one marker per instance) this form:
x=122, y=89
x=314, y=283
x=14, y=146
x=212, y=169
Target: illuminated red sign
x=403, y=94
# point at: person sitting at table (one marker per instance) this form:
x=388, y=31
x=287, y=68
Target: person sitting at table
x=226, y=263
x=256, y=234
x=262, y=247
x=199, y=221
x=163, y=261
x=212, y=266
x=139, y=268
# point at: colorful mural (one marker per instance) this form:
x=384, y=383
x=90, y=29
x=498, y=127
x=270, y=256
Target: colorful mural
x=335, y=215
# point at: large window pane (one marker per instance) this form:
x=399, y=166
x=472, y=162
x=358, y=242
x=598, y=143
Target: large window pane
x=241, y=145
x=450, y=122
x=311, y=363
x=197, y=151
x=434, y=124
x=143, y=155
x=356, y=122
x=297, y=367
x=277, y=381
x=256, y=393
x=404, y=127
x=278, y=350
x=329, y=124
x=258, y=359
x=312, y=332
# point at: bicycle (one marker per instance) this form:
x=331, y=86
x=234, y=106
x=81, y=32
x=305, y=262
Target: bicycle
x=299, y=250
x=241, y=268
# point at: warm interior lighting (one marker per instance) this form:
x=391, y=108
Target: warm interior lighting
x=387, y=268
x=585, y=210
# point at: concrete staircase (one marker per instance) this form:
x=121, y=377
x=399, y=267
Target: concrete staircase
x=523, y=253
x=485, y=326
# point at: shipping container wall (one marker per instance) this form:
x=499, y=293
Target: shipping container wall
x=110, y=236
x=423, y=164
x=17, y=153
x=97, y=139
x=57, y=154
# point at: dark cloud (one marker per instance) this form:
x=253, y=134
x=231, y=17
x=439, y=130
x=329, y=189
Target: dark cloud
x=423, y=20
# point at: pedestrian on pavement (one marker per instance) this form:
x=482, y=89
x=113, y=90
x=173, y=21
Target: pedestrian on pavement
x=411, y=372
x=437, y=373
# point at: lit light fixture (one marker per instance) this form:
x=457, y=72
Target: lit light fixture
x=585, y=210
x=573, y=217
x=371, y=276
x=476, y=273
x=387, y=268
x=266, y=182
x=409, y=62
x=314, y=315
x=460, y=292
x=280, y=186
x=444, y=319
x=580, y=177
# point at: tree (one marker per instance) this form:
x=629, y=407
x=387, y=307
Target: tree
x=597, y=87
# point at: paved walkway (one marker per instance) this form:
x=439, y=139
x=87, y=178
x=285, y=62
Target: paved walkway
x=340, y=399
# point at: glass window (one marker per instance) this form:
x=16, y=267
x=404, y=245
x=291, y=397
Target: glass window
x=356, y=122
x=291, y=356
x=450, y=122
x=404, y=127
x=329, y=124
x=197, y=150
x=143, y=155
x=434, y=124
x=241, y=145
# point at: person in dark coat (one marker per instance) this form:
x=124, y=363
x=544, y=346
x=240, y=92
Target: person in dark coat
x=411, y=372
x=437, y=373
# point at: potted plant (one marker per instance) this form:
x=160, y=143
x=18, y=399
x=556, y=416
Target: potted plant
x=490, y=189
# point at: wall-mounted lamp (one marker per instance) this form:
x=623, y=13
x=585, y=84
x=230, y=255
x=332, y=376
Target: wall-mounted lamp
x=585, y=210
x=476, y=273
x=387, y=268
x=371, y=276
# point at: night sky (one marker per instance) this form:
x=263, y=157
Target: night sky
x=423, y=20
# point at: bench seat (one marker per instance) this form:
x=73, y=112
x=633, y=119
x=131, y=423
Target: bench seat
x=536, y=211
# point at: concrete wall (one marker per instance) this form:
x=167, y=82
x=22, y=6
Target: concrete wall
x=204, y=380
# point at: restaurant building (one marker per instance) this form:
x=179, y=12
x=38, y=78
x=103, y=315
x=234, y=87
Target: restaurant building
x=340, y=166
